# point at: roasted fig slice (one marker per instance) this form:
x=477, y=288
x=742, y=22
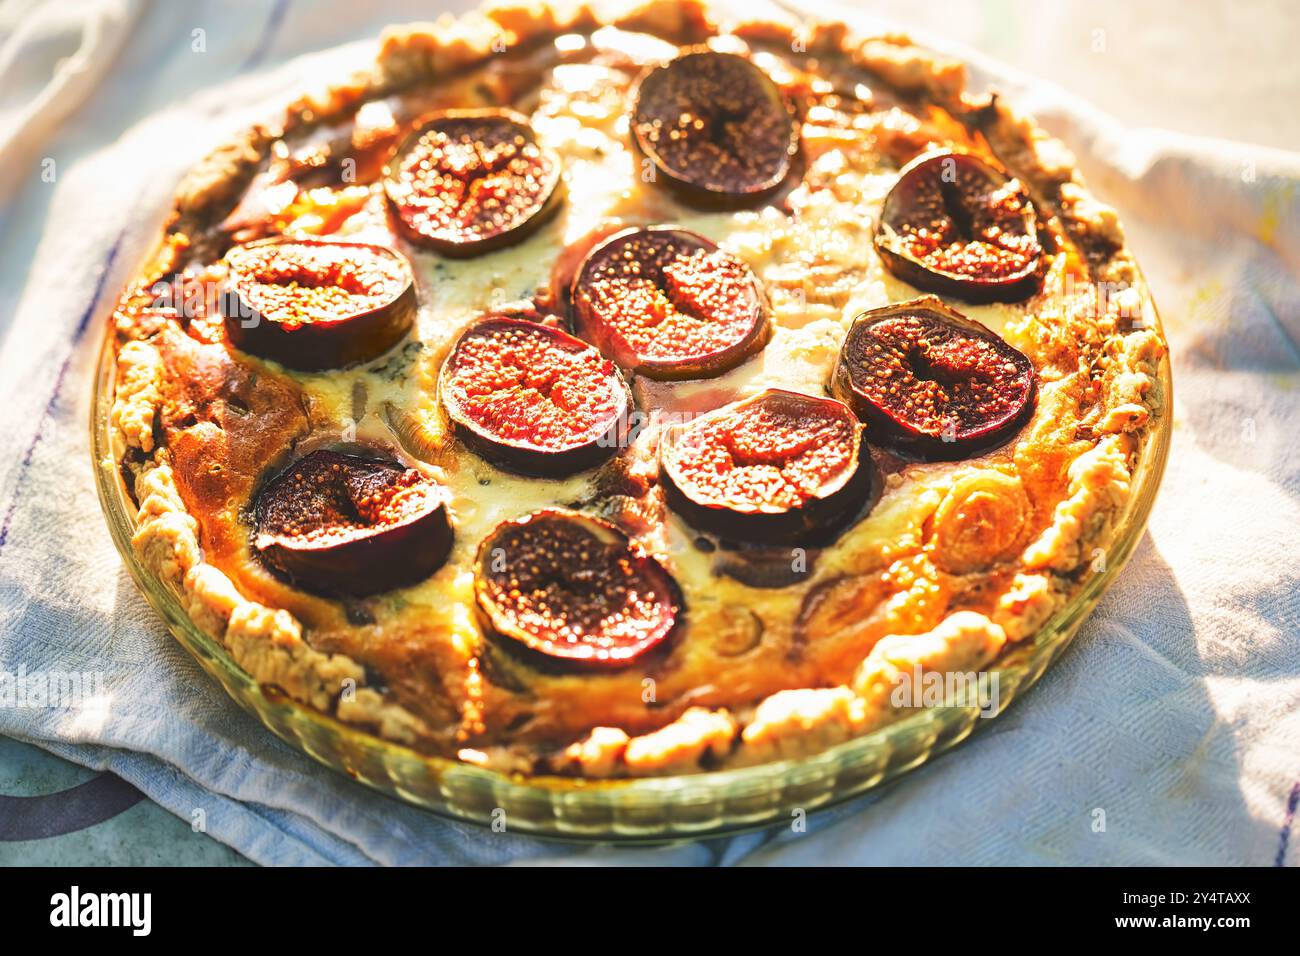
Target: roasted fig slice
x=337, y=523
x=470, y=181
x=931, y=383
x=533, y=399
x=717, y=129
x=312, y=305
x=779, y=467
x=955, y=225
x=668, y=304
x=573, y=589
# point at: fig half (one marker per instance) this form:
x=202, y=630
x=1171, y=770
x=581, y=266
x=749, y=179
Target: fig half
x=573, y=589
x=310, y=304
x=955, y=225
x=780, y=467
x=717, y=129
x=668, y=304
x=470, y=181
x=337, y=523
x=533, y=399
x=931, y=383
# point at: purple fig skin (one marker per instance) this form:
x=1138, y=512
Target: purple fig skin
x=731, y=90
x=844, y=496
x=520, y=457
x=587, y=536
x=322, y=344
x=589, y=324
x=928, y=179
x=354, y=561
x=550, y=195
x=891, y=428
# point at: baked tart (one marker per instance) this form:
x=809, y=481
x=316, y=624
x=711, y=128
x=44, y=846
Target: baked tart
x=616, y=393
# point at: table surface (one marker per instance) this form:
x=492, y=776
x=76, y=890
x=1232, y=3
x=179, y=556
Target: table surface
x=1226, y=70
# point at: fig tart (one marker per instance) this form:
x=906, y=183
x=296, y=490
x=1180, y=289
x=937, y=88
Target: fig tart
x=615, y=393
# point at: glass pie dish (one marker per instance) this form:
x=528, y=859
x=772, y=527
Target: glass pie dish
x=643, y=809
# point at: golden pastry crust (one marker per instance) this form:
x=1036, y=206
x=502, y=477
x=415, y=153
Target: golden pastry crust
x=956, y=561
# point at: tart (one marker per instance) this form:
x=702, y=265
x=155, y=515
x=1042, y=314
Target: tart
x=631, y=393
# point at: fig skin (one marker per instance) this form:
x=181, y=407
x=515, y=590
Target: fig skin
x=924, y=181
x=550, y=188
x=844, y=494
x=559, y=290
x=730, y=89
x=891, y=429
x=668, y=607
x=524, y=457
x=326, y=343
x=356, y=561
x=588, y=322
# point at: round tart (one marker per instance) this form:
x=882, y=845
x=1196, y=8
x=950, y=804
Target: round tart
x=631, y=396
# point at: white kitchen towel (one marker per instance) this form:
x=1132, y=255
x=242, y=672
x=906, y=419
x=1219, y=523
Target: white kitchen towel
x=1170, y=733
